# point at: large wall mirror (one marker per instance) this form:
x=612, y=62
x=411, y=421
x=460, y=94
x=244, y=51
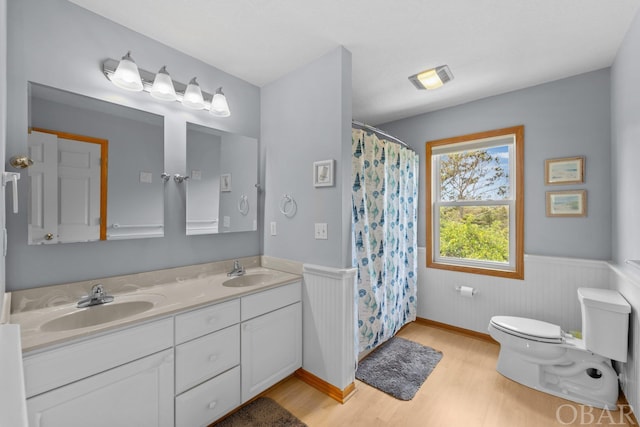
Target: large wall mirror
x=96, y=172
x=221, y=190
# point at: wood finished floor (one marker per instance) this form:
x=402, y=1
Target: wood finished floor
x=464, y=390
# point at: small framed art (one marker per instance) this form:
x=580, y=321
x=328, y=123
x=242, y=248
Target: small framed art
x=568, y=170
x=571, y=203
x=323, y=173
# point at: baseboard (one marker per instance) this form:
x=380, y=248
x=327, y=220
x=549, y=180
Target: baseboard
x=323, y=386
x=456, y=329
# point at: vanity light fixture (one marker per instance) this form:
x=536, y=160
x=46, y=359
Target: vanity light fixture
x=432, y=78
x=193, y=96
x=162, y=87
x=219, y=105
x=126, y=74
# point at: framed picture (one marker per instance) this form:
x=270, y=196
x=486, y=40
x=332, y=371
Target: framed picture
x=568, y=170
x=323, y=173
x=225, y=182
x=571, y=203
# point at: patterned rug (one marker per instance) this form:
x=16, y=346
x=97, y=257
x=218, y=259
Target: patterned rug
x=262, y=412
x=398, y=367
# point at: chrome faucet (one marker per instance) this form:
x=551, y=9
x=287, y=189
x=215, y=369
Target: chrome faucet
x=238, y=270
x=97, y=296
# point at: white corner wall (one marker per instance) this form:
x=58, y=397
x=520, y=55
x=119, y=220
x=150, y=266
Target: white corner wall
x=306, y=117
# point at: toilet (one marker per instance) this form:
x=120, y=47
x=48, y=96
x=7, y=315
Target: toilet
x=542, y=356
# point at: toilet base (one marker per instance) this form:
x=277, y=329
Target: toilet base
x=582, y=377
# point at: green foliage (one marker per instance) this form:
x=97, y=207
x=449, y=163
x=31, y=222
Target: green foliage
x=478, y=233
x=474, y=232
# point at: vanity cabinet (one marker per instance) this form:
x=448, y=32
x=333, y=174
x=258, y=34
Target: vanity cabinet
x=123, y=378
x=271, y=338
x=186, y=370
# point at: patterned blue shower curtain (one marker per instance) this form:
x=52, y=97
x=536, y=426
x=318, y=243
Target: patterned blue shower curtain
x=384, y=227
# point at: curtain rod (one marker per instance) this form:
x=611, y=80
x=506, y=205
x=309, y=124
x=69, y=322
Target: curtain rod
x=364, y=126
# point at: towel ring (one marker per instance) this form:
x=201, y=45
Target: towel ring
x=243, y=205
x=288, y=206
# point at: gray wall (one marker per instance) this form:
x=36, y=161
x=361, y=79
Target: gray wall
x=306, y=117
x=625, y=152
x=55, y=43
x=625, y=109
x=568, y=117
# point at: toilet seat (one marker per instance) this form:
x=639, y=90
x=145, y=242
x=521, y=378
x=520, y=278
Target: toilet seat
x=529, y=329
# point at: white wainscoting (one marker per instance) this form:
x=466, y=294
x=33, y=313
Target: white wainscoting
x=548, y=292
x=626, y=280
x=329, y=324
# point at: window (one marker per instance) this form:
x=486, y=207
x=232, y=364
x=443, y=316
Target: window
x=475, y=203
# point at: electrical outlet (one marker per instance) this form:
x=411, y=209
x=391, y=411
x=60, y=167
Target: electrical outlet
x=196, y=175
x=321, y=231
x=274, y=231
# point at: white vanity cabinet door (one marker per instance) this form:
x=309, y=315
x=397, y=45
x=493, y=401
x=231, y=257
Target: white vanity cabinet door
x=271, y=349
x=138, y=394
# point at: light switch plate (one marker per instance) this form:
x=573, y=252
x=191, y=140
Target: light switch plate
x=321, y=231
x=274, y=229
x=226, y=221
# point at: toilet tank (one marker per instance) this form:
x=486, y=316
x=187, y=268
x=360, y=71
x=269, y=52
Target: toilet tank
x=605, y=322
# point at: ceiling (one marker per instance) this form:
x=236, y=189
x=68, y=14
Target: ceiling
x=491, y=46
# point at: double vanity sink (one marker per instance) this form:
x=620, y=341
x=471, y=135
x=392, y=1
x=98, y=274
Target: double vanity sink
x=125, y=306
x=52, y=322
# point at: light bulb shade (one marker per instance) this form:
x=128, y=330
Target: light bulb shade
x=193, y=96
x=162, y=88
x=219, y=105
x=126, y=75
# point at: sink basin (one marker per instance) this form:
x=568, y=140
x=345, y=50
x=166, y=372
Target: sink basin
x=99, y=314
x=248, y=280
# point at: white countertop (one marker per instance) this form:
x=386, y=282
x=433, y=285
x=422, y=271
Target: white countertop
x=169, y=298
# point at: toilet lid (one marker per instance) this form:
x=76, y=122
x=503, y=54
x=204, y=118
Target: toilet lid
x=528, y=328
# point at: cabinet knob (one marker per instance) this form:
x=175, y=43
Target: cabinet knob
x=48, y=236
x=212, y=404
x=213, y=357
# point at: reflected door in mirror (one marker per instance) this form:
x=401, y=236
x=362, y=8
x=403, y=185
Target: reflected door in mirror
x=68, y=187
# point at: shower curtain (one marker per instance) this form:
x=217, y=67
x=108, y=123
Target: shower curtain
x=384, y=227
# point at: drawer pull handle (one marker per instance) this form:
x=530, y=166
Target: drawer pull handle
x=213, y=319
x=212, y=404
x=213, y=357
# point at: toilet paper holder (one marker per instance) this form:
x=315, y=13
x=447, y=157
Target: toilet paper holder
x=466, y=290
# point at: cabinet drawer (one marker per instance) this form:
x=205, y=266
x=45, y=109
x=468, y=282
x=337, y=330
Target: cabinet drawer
x=206, y=403
x=206, y=357
x=206, y=320
x=273, y=299
x=54, y=368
